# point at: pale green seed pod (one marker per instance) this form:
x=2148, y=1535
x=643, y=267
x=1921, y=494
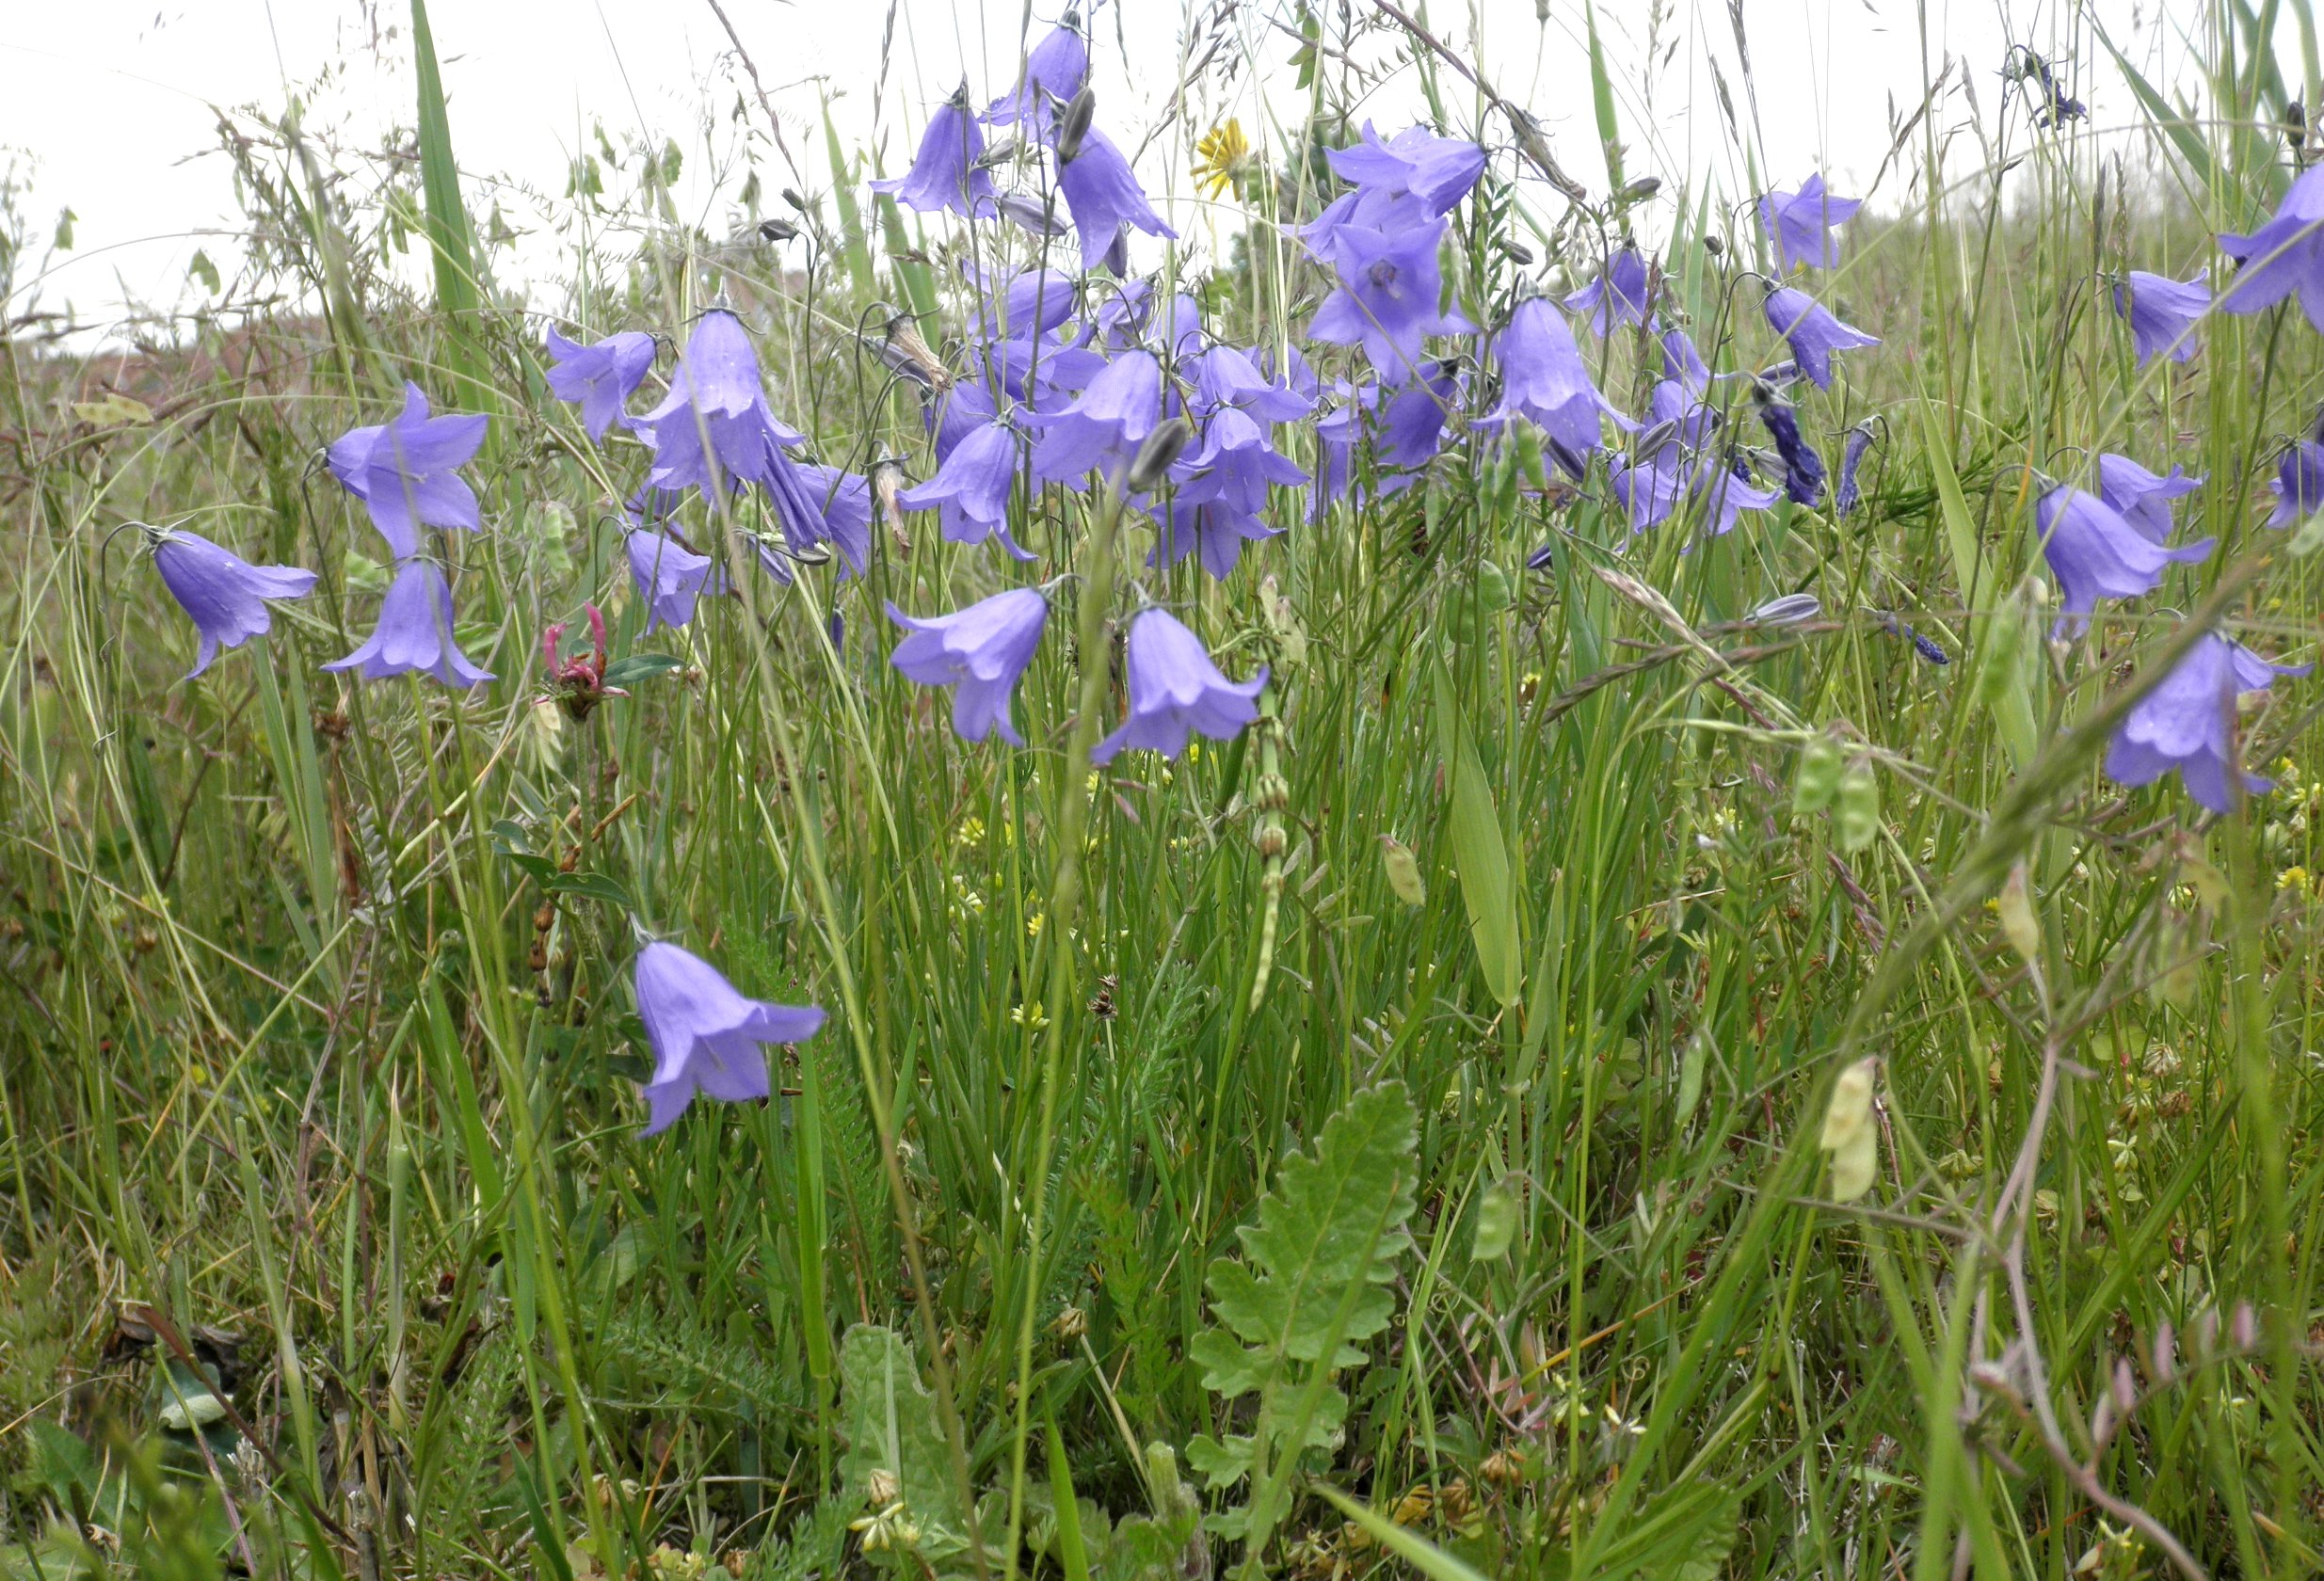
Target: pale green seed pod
x=1404, y=870
x=1493, y=591
x=1855, y=812
x=1819, y=776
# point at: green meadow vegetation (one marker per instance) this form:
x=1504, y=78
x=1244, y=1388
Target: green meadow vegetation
x=1596, y=1081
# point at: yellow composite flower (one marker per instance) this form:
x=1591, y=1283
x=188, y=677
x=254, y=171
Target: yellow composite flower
x=1221, y=156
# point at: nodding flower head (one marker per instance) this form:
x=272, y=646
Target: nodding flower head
x=1800, y=224
x=1621, y=293
x=225, y=595
x=577, y=682
x=947, y=172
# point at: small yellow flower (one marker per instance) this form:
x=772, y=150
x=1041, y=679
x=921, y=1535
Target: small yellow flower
x=2293, y=879
x=1033, y=925
x=972, y=832
x=1194, y=752
x=1221, y=156
x=1029, y=1015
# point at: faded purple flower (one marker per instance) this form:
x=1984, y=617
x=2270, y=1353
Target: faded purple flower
x=2095, y=554
x=2299, y=484
x=705, y=1036
x=2188, y=722
x=1387, y=299
x=599, y=376
x=944, y=174
x=405, y=471
x=1621, y=293
x=223, y=593
x=1174, y=688
x=668, y=576
x=1846, y=496
x=843, y=500
x=2162, y=313
x=2142, y=498
x=415, y=633
x=979, y=651
x=1813, y=332
x=1800, y=224
x=1019, y=306
x=1803, y=470
x=971, y=488
x=2284, y=256
x=1544, y=379
x=715, y=431
x=1105, y=200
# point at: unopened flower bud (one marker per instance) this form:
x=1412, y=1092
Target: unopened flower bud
x=1161, y=450
x=777, y=230
x=1073, y=125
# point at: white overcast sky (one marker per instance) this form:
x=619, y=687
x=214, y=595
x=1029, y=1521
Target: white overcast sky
x=109, y=97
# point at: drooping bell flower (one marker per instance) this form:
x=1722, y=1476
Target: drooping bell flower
x=2162, y=314
x=405, y=471
x=1054, y=70
x=224, y=595
x=1387, y=299
x=1225, y=376
x=1412, y=425
x=668, y=576
x=1846, y=495
x=1649, y=489
x=599, y=377
x=705, y=1036
x=2284, y=256
x=1800, y=224
x=1676, y=418
x=1104, y=426
x=1214, y=530
x=1234, y=461
x=1621, y=293
x=2142, y=498
x=1021, y=306
x=2188, y=722
x=847, y=507
x=1176, y=689
x=980, y=652
x=414, y=632
x=1813, y=332
x=1104, y=195
x=971, y=488
x=2095, y=554
x=1337, y=434
x=1803, y=470
x=2299, y=483
x=1126, y=319
x=945, y=173
x=715, y=431
x=1544, y=379
x=1725, y=492
x=1682, y=363
x=1437, y=172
